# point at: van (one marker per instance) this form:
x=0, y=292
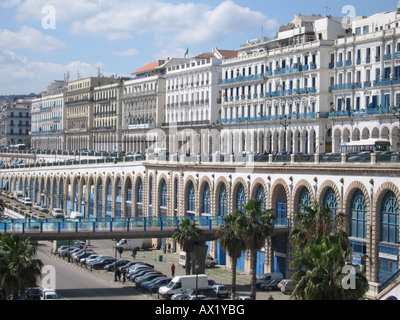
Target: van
x=267, y=278
x=76, y=215
x=179, y=284
x=209, y=263
x=134, y=244
x=49, y=294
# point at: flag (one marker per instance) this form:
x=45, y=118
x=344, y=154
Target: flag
x=187, y=52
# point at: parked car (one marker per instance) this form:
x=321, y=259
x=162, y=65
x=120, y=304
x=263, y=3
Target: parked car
x=220, y=290
x=36, y=206
x=43, y=209
x=270, y=285
x=118, y=263
x=138, y=273
x=147, y=277
x=287, y=286
x=33, y=293
x=90, y=258
x=57, y=213
x=101, y=262
x=155, y=284
x=84, y=254
x=268, y=277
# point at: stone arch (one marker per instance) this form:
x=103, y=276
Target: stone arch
x=187, y=182
x=324, y=187
x=353, y=187
x=235, y=186
x=215, y=194
x=296, y=194
x=254, y=187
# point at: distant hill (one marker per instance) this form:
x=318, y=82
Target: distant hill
x=12, y=98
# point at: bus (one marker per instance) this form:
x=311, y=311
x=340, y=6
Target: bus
x=370, y=145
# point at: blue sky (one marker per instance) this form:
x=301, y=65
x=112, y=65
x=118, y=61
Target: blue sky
x=41, y=40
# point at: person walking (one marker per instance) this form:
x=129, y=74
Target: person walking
x=123, y=276
x=173, y=269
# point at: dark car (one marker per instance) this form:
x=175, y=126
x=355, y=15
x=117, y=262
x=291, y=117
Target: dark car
x=133, y=276
x=157, y=284
x=99, y=264
x=118, y=263
x=33, y=293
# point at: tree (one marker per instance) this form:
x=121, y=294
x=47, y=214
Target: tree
x=232, y=243
x=2, y=205
x=321, y=250
x=188, y=235
x=18, y=267
x=255, y=225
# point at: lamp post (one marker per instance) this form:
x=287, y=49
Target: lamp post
x=285, y=123
x=396, y=114
x=197, y=266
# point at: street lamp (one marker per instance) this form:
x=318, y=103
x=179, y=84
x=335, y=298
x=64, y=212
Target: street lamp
x=285, y=123
x=197, y=266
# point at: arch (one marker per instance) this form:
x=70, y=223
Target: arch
x=280, y=196
x=302, y=195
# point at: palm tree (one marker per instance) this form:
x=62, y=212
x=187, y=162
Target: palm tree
x=321, y=273
x=18, y=267
x=255, y=225
x=322, y=249
x=2, y=204
x=188, y=235
x=232, y=243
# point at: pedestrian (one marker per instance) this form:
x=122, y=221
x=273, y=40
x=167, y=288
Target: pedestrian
x=133, y=255
x=173, y=269
x=118, y=272
x=169, y=247
x=123, y=276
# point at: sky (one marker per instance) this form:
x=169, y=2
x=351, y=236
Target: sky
x=43, y=40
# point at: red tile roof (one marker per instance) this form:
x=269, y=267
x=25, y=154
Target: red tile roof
x=149, y=67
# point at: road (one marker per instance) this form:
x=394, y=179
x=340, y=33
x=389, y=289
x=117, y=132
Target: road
x=75, y=283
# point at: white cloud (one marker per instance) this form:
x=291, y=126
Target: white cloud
x=126, y=53
x=9, y=3
x=29, y=39
x=185, y=22
x=25, y=76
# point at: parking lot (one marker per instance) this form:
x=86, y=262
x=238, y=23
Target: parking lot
x=162, y=262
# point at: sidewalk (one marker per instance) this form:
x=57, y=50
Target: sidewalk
x=163, y=261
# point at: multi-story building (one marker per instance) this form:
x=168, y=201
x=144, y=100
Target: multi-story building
x=107, y=117
x=275, y=94
x=193, y=101
x=366, y=85
x=48, y=118
x=143, y=107
x=15, y=123
x=79, y=112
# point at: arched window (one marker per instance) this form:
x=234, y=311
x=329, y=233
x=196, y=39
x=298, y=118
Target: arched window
x=358, y=218
x=163, y=199
x=304, y=200
x=139, y=199
x=191, y=199
x=223, y=202
x=240, y=198
x=206, y=199
x=330, y=201
x=390, y=218
x=118, y=199
x=260, y=194
x=99, y=201
x=108, y=198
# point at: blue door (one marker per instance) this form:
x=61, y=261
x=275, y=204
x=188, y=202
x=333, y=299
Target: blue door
x=221, y=255
x=280, y=265
x=260, y=263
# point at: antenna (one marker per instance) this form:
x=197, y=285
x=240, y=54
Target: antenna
x=327, y=9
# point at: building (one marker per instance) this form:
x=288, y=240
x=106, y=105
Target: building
x=79, y=112
x=48, y=118
x=366, y=85
x=15, y=123
x=107, y=117
x=276, y=93
x=143, y=101
x=193, y=101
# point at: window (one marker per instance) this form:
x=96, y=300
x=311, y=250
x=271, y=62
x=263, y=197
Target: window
x=223, y=202
x=358, y=220
x=390, y=219
x=240, y=198
x=206, y=199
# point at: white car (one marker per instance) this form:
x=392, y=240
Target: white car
x=57, y=213
x=220, y=290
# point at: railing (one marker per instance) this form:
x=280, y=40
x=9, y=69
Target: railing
x=58, y=226
x=389, y=281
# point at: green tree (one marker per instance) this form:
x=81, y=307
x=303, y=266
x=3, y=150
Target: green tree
x=18, y=267
x=188, y=235
x=255, y=225
x=321, y=250
x=2, y=206
x=232, y=243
